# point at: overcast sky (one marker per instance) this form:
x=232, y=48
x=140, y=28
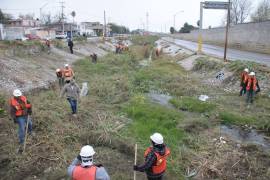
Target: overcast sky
x=131, y=13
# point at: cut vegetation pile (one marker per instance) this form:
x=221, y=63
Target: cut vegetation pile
x=118, y=113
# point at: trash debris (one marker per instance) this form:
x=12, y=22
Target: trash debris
x=84, y=90
x=220, y=76
x=203, y=98
x=220, y=141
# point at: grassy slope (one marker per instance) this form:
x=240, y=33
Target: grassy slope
x=117, y=86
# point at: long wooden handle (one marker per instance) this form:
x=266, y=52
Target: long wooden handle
x=135, y=160
x=26, y=132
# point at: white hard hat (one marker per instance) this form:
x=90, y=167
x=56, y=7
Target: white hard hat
x=246, y=70
x=17, y=93
x=58, y=70
x=157, y=138
x=66, y=65
x=252, y=74
x=87, y=151
x=86, y=154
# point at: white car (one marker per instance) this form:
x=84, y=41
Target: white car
x=60, y=36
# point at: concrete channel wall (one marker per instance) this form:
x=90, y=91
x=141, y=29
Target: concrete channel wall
x=249, y=36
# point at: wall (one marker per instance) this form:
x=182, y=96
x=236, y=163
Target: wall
x=12, y=33
x=250, y=36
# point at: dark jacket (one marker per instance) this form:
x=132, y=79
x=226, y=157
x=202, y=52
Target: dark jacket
x=70, y=43
x=151, y=159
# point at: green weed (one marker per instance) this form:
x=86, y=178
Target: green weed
x=233, y=118
x=192, y=104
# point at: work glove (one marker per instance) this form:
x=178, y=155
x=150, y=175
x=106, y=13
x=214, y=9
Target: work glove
x=135, y=168
x=99, y=165
x=79, y=157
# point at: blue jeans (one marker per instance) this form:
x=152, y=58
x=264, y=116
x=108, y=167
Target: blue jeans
x=250, y=96
x=73, y=105
x=22, y=120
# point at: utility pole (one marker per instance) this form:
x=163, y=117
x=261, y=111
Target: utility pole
x=227, y=30
x=104, y=29
x=201, y=15
x=40, y=11
x=147, y=21
x=62, y=16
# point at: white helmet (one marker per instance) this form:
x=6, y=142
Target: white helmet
x=86, y=154
x=58, y=70
x=157, y=138
x=252, y=74
x=66, y=65
x=17, y=93
x=246, y=70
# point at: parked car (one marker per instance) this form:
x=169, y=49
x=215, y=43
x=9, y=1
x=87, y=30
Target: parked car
x=32, y=37
x=61, y=36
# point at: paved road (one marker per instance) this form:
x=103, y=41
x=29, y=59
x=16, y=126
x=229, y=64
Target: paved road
x=217, y=51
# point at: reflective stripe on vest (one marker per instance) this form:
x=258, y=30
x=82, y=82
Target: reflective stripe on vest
x=21, y=109
x=161, y=162
x=88, y=173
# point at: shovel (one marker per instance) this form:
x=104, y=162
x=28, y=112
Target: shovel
x=26, y=133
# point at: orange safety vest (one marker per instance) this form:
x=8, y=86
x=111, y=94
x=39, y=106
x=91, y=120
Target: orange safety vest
x=88, y=173
x=244, y=77
x=161, y=162
x=252, y=83
x=68, y=72
x=21, y=109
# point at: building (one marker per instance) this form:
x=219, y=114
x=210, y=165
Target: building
x=86, y=29
x=68, y=28
x=93, y=29
x=23, y=23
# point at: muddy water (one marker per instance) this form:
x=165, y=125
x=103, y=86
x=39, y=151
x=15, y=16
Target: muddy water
x=161, y=99
x=249, y=136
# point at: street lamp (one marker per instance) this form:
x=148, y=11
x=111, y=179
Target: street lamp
x=175, y=16
x=40, y=9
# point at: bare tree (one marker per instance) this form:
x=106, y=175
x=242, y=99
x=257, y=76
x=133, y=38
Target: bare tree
x=262, y=13
x=240, y=11
x=46, y=19
x=27, y=16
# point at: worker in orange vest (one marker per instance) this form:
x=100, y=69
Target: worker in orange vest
x=244, y=80
x=68, y=73
x=83, y=167
x=252, y=85
x=20, y=109
x=155, y=158
x=60, y=77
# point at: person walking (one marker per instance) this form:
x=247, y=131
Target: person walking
x=20, y=109
x=244, y=80
x=72, y=92
x=68, y=73
x=94, y=57
x=251, y=87
x=83, y=167
x=70, y=45
x=48, y=44
x=60, y=77
x=155, y=158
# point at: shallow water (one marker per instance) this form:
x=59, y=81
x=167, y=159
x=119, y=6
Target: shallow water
x=249, y=136
x=161, y=99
